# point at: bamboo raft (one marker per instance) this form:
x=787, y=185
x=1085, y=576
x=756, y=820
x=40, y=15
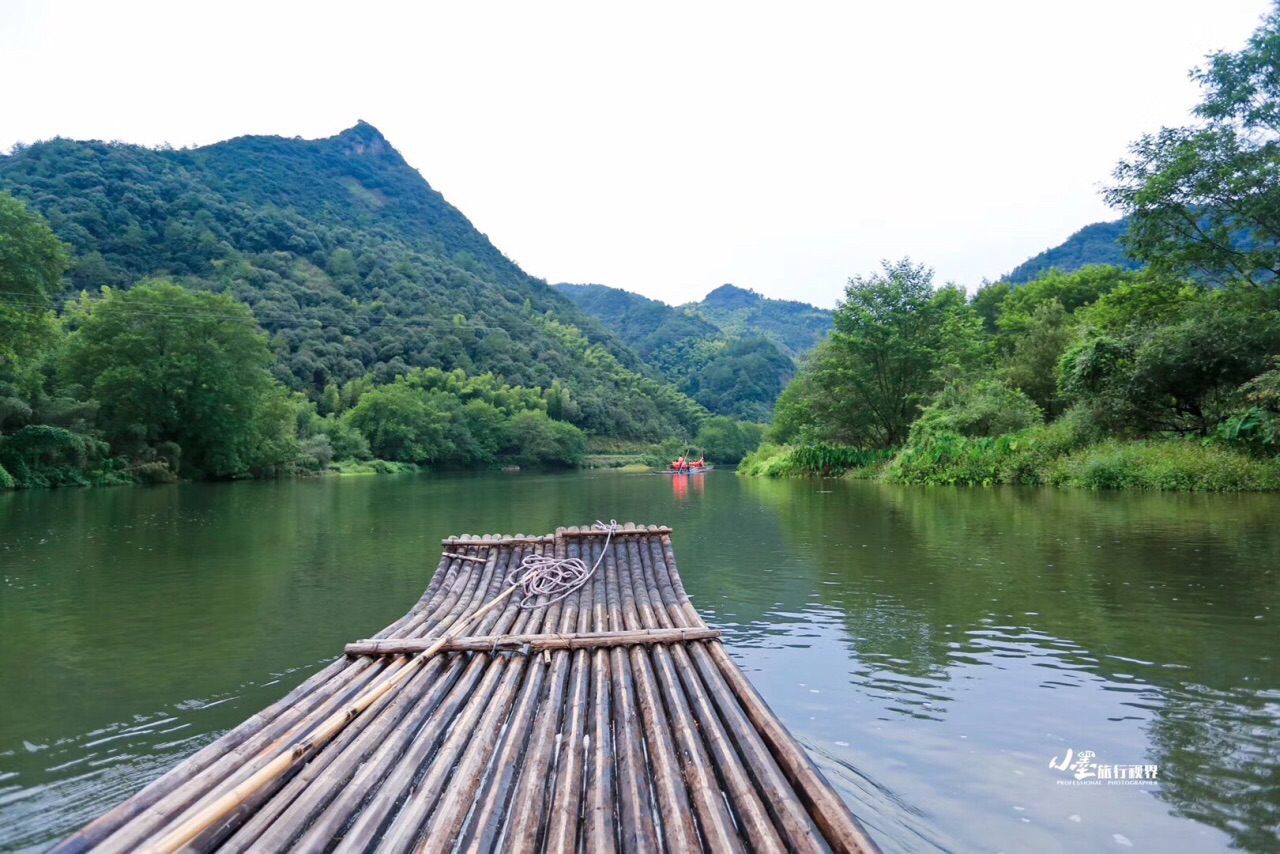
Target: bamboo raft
x=612, y=719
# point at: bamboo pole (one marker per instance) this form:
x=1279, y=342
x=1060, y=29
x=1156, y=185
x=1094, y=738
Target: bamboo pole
x=295, y=809
x=193, y=826
x=272, y=813
x=518, y=783
x=770, y=771
x=717, y=825
x=447, y=824
x=831, y=814
x=173, y=790
x=491, y=699
x=395, y=782
x=600, y=826
x=566, y=794
x=672, y=796
x=753, y=820
x=635, y=814
x=535, y=642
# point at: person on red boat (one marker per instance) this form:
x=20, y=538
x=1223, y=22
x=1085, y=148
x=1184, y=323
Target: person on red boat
x=700, y=462
x=680, y=464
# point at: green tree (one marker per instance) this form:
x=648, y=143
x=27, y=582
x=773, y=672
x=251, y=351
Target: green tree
x=167, y=364
x=401, y=423
x=896, y=340
x=541, y=441
x=1032, y=367
x=1183, y=377
x=32, y=261
x=1204, y=199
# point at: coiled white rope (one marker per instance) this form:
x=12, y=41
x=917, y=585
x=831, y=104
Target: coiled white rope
x=544, y=575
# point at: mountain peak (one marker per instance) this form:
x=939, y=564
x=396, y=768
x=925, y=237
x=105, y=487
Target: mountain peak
x=363, y=138
x=732, y=296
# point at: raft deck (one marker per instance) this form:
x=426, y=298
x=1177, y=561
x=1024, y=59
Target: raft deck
x=612, y=719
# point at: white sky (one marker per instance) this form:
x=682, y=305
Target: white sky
x=665, y=148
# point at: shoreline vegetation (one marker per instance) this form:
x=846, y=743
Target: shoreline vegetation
x=276, y=308
x=1164, y=377
x=1034, y=459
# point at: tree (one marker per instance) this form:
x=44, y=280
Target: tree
x=895, y=338
x=1205, y=199
x=190, y=367
x=401, y=423
x=32, y=261
x=1183, y=377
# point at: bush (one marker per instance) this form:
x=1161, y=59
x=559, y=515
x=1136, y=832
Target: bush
x=1024, y=457
x=986, y=408
x=768, y=460
x=540, y=441
x=1171, y=464
x=154, y=473
x=810, y=461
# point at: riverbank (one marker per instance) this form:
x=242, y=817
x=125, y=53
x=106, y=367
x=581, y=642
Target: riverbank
x=1038, y=457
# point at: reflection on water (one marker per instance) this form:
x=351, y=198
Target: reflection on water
x=934, y=649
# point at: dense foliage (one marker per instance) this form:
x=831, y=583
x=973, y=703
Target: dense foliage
x=347, y=258
x=1166, y=377
x=1099, y=244
x=795, y=328
x=268, y=306
x=1202, y=199
x=895, y=337
x=738, y=374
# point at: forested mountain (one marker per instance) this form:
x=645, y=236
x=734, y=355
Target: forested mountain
x=1094, y=244
x=738, y=372
x=357, y=269
x=794, y=327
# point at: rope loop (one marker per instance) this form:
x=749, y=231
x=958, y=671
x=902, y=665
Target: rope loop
x=544, y=575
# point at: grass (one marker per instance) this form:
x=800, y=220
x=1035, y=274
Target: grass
x=1054, y=455
x=812, y=461
x=1165, y=465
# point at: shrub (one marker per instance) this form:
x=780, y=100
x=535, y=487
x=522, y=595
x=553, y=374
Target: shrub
x=809, y=460
x=1171, y=464
x=985, y=408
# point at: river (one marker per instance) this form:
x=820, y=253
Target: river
x=947, y=656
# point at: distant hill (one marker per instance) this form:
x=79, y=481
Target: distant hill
x=1093, y=244
x=348, y=258
x=794, y=327
x=733, y=353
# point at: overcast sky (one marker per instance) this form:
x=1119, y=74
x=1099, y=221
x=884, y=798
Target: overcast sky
x=663, y=148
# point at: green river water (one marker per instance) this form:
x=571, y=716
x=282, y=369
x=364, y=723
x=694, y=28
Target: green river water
x=937, y=651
